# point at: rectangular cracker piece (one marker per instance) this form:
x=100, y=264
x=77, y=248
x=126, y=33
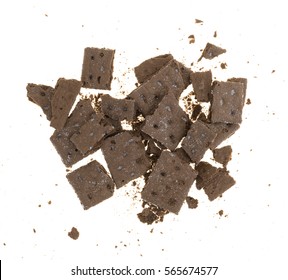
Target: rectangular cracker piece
x=118, y=109
x=202, y=85
x=197, y=141
x=125, y=157
x=92, y=133
x=169, y=183
x=91, y=183
x=228, y=101
x=97, y=68
x=41, y=95
x=168, y=124
x=61, y=138
x=63, y=99
x=148, y=95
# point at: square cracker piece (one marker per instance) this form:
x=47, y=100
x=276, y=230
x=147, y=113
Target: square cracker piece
x=92, y=133
x=169, y=183
x=97, y=68
x=63, y=99
x=125, y=157
x=61, y=138
x=228, y=101
x=167, y=80
x=168, y=124
x=41, y=95
x=91, y=183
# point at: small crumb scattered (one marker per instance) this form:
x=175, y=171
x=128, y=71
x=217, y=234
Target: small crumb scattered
x=39, y=205
x=34, y=230
x=215, y=34
x=49, y=202
x=248, y=102
x=198, y=21
x=192, y=202
x=191, y=39
x=220, y=213
x=273, y=71
x=223, y=65
x=74, y=233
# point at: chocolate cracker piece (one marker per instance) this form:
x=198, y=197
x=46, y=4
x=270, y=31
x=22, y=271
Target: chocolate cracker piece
x=97, y=68
x=149, y=67
x=197, y=141
x=205, y=172
x=74, y=233
x=125, y=157
x=214, y=181
x=169, y=183
x=168, y=124
x=192, y=202
x=228, y=102
x=62, y=101
x=118, y=109
x=91, y=183
x=202, y=85
x=223, y=131
x=41, y=95
x=223, y=155
x=196, y=111
x=211, y=51
x=92, y=133
x=61, y=138
x=148, y=95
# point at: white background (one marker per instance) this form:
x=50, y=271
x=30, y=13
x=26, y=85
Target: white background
x=44, y=40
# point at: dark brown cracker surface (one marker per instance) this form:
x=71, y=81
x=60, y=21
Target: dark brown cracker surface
x=223, y=155
x=61, y=138
x=168, y=124
x=211, y=51
x=125, y=157
x=97, y=68
x=118, y=109
x=149, y=67
x=197, y=141
x=205, y=172
x=202, y=85
x=63, y=99
x=91, y=134
x=91, y=183
x=169, y=183
x=148, y=95
x=228, y=101
x=41, y=95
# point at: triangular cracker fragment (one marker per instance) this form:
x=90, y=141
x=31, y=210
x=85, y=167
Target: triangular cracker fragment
x=169, y=183
x=42, y=96
x=91, y=183
x=211, y=51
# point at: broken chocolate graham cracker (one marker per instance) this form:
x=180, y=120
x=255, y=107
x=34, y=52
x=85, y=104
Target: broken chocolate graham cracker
x=214, y=181
x=125, y=157
x=169, y=183
x=228, y=101
x=168, y=124
x=192, y=202
x=91, y=183
x=42, y=96
x=223, y=155
x=118, y=109
x=62, y=101
x=61, y=138
x=92, y=133
x=211, y=51
x=197, y=141
x=148, y=95
x=202, y=85
x=97, y=68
